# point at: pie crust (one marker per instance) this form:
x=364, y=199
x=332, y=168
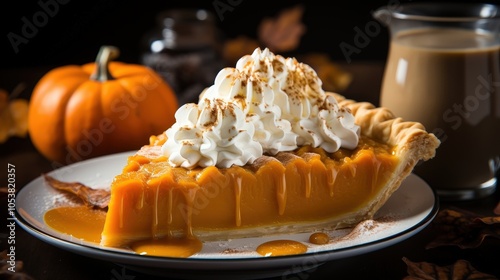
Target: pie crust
x=290, y=192
x=411, y=142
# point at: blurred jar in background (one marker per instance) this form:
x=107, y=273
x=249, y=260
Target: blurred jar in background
x=185, y=50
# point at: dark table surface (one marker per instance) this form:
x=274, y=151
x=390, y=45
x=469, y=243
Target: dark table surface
x=44, y=261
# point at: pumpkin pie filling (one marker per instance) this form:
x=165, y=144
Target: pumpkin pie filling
x=293, y=190
x=151, y=199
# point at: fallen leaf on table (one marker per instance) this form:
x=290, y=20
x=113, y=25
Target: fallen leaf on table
x=283, y=33
x=96, y=198
x=13, y=115
x=11, y=271
x=463, y=229
x=460, y=270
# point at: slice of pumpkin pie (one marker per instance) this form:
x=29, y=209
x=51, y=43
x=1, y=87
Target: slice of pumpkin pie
x=265, y=151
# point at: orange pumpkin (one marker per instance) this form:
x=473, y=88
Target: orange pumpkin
x=78, y=112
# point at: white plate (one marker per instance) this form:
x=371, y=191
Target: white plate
x=408, y=211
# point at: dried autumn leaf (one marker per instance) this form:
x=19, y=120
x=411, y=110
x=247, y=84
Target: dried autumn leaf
x=13, y=115
x=284, y=32
x=460, y=270
x=19, y=112
x=234, y=49
x=97, y=198
x=5, y=118
x=463, y=229
x=12, y=271
x=334, y=78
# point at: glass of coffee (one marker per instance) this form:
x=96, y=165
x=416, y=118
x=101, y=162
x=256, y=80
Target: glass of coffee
x=443, y=70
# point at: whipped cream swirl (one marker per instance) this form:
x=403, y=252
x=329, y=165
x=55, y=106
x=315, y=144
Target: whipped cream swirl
x=266, y=104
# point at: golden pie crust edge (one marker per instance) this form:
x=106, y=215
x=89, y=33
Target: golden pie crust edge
x=411, y=140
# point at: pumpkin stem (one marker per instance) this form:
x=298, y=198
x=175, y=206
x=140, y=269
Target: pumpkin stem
x=104, y=57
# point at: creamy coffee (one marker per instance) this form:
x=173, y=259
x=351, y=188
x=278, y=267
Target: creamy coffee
x=449, y=80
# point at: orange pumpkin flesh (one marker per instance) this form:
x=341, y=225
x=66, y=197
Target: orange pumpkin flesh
x=75, y=115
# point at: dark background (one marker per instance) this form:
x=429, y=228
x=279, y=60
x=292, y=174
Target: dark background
x=77, y=30
x=74, y=34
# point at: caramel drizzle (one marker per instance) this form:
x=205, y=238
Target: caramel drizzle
x=170, y=206
x=154, y=227
x=331, y=176
x=190, y=195
x=352, y=169
x=170, y=209
x=121, y=211
x=281, y=194
x=377, y=164
x=237, y=193
x=140, y=202
x=306, y=178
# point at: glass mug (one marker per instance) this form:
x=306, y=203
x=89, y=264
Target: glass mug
x=443, y=70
